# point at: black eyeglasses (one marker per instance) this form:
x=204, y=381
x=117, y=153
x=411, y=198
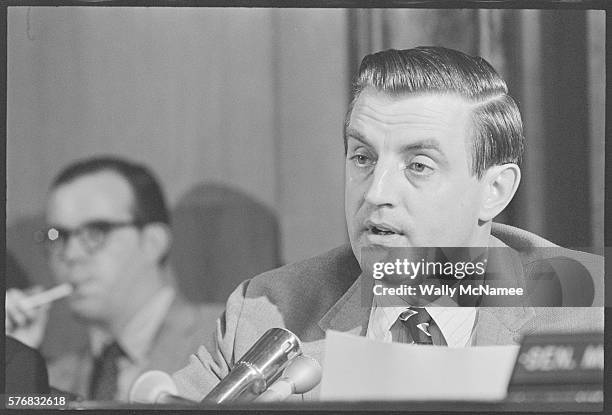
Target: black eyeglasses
x=91, y=235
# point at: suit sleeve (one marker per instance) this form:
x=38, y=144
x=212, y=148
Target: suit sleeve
x=207, y=367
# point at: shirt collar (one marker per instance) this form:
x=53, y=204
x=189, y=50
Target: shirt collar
x=137, y=336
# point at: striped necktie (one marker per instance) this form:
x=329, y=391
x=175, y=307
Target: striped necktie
x=415, y=325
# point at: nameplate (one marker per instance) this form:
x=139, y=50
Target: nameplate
x=550, y=359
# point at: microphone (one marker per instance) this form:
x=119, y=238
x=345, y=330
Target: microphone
x=156, y=386
x=302, y=374
x=260, y=366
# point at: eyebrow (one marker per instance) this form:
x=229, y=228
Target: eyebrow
x=422, y=144
x=353, y=133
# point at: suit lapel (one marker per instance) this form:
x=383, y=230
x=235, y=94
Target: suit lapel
x=501, y=325
x=179, y=324
x=351, y=312
x=85, y=372
x=72, y=372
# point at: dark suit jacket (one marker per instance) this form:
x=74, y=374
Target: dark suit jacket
x=186, y=326
x=323, y=293
x=26, y=371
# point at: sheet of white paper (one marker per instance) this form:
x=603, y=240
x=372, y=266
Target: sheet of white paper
x=358, y=368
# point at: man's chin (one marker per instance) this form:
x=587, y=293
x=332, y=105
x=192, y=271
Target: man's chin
x=86, y=313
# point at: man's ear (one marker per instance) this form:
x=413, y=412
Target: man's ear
x=157, y=240
x=500, y=183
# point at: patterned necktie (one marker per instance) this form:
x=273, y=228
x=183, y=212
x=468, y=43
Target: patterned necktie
x=105, y=373
x=413, y=326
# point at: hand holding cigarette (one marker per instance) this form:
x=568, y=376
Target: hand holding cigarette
x=26, y=312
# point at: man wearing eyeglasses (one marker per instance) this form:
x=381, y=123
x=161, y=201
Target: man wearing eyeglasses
x=109, y=238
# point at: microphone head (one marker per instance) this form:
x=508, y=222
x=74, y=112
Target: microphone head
x=150, y=386
x=304, y=372
x=259, y=367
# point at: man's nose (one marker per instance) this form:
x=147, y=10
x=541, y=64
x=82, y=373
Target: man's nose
x=73, y=250
x=384, y=185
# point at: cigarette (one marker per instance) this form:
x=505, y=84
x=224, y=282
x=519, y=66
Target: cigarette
x=45, y=297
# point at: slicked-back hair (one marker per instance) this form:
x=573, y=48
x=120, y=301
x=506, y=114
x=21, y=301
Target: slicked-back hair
x=148, y=205
x=497, y=128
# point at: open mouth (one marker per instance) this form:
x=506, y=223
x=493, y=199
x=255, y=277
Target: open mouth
x=379, y=231
x=382, y=229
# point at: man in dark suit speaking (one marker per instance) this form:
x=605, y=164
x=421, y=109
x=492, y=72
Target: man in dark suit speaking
x=433, y=145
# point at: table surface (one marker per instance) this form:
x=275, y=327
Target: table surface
x=459, y=406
